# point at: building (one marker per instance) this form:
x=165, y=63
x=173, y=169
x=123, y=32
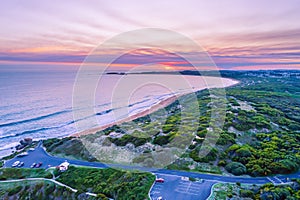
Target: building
x=64, y=166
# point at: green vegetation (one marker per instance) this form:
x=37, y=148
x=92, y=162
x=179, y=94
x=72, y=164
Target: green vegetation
x=137, y=139
x=19, y=173
x=269, y=191
x=236, y=168
x=69, y=148
x=116, y=184
x=260, y=133
x=263, y=192
x=106, y=183
x=39, y=190
x=221, y=191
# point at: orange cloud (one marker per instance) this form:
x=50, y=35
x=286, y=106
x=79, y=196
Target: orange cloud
x=44, y=49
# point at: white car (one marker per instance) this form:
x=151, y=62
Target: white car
x=22, y=154
x=15, y=164
x=21, y=164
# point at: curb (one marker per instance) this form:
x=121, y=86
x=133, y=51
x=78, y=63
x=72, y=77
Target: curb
x=151, y=186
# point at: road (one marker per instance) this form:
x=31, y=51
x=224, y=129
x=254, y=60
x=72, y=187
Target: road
x=173, y=187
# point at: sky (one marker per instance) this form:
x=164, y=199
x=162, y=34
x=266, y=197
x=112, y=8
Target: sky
x=237, y=34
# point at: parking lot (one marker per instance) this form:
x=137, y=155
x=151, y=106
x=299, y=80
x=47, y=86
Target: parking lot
x=176, y=187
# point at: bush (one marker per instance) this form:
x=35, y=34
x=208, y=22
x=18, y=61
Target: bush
x=102, y=196
x=14, y=190
x=49, y=189
x=125, y=139
x=243, y=152
x=222, y=163
x=192, y=179
x=236, y=168
x=116, y=184
x=161, y=140
x=211, y=156
x=246, y=193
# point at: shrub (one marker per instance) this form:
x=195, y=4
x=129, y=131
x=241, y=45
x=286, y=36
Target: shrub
x=246, y=193
x=125, y=139
x=222, y=163
x=236, y=168
x=161, y=140
x=14, y=190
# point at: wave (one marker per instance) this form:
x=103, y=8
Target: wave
x=22, y=112
x=35, y=130
x=104, y=112
x=34, y=119
x=139, y=102
x=134, y=108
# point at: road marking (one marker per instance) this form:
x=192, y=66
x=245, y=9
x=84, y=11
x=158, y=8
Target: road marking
x=187, y=192
x=194, y=189
x=272, y=181
x=155, y=192
x=188, y=186
x=278, y=179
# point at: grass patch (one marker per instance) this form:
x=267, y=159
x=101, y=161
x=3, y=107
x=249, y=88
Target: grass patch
x=17, y=173
x=116, y=184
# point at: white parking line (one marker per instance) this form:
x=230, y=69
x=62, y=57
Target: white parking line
x=187, y=192
x=278, y=179
x=271, y=180
x=194, y=189
x=155, y=192
x=188, y=186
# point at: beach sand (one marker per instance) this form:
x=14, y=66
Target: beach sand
x=226, y=82
x=152, y=109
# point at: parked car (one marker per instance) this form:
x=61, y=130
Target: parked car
x=21, y=164
x=33, y=165
x=15, y=164
x=38, y=165
x=22, y=154
x=160, y=180
x=184, y=178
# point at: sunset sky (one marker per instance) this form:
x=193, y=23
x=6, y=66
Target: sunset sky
x=237, y=34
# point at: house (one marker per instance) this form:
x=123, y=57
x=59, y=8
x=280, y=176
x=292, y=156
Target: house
x=63, y=166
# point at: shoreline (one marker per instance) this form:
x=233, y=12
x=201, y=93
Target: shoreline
x=162, y=104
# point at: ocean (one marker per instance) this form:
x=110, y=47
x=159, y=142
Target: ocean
x=39, y=104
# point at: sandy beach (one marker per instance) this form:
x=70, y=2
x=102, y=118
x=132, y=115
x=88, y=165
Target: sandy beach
x=152, y=109
x=228, y=82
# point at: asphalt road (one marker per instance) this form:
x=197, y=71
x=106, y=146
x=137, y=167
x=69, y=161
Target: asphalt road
x=173, y=187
